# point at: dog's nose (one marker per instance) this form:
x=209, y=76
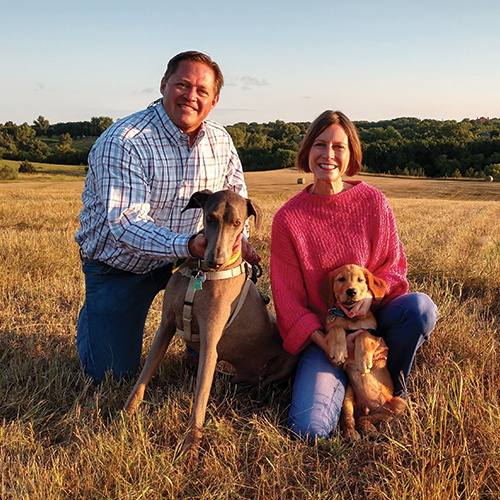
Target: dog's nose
x=351, y=292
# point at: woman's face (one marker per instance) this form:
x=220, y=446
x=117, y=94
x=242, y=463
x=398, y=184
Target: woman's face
x=328, y=160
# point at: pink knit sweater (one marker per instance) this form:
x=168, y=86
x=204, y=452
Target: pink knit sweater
x=312, y=235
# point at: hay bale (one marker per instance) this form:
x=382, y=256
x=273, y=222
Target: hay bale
x=488, y=178
x=301, y=180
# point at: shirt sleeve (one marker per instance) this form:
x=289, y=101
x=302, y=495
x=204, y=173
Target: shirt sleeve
x=125, y=194
x=296, y=321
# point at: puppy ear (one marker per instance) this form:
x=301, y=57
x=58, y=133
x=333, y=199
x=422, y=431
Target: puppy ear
x=326, y=290
x=256, y=211
x=376, y=285
x=197, y=200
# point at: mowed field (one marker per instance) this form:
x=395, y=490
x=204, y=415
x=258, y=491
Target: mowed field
x=61, y=437
x=286, y=182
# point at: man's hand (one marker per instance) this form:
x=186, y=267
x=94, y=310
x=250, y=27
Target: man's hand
x=197, y=245
x=249, y=253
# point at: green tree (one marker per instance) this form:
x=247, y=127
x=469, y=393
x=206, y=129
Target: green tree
x=41, y=125
x=99, y=124
x=493, y=170
x=65, y=144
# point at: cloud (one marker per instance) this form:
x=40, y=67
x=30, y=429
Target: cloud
x=41, y=87
x=149, y=90
x=251, y=81
x=246, y=87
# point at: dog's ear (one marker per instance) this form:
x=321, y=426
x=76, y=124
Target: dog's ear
x=256, y=211
x=376, y=285
x=326, y=291
x=197, y=200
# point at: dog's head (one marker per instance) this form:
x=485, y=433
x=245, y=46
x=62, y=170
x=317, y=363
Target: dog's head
x=349, y=284
x=224, y=216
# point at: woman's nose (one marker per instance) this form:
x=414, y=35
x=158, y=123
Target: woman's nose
x=329, y=152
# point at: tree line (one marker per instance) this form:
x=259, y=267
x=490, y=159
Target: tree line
x=401, y=146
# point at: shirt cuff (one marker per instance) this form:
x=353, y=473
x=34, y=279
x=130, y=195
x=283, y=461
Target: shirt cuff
x=180, y=246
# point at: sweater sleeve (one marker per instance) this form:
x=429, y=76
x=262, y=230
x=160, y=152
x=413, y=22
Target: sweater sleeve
x=388, y=259
x=296, y=322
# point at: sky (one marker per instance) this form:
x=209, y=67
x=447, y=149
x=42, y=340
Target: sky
x=282, y=60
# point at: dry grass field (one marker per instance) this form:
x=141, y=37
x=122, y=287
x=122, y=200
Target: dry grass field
x=62, y=438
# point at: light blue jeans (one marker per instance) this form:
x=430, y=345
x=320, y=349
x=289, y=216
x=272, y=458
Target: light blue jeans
x=111, y=321
x=405, y=323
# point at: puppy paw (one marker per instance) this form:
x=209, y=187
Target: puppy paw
x=351, y=434
x=364, y=363
x=338, y=355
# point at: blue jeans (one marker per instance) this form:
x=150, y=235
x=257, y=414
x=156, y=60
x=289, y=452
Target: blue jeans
x=319, y=387
x=111, y=321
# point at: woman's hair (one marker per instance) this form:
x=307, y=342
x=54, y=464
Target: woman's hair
x=323, y=121
x=193, y=55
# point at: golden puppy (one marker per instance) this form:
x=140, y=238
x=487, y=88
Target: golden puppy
x=369, y=397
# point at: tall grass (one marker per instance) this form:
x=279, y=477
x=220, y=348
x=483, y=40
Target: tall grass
x=61, y=437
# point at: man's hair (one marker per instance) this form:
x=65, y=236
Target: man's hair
x=193, y=55
x=323, y=121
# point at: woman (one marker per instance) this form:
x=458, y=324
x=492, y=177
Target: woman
x=330, y=223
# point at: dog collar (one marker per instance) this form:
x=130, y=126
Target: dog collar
x=335, y=313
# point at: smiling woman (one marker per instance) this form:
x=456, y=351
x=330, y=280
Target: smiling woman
x=329, y=224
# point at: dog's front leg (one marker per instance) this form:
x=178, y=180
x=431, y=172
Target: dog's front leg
x=337, y=344
x=205, y=376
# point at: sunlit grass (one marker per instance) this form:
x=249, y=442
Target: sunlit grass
x=61, y=437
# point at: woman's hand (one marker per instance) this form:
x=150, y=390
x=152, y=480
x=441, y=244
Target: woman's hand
x=248, y=252
x=319, y=338
x=360, y=310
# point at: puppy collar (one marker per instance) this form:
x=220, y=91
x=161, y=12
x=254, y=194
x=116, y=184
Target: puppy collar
x=335, y=313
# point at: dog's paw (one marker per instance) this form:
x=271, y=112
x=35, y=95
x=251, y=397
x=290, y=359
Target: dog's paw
x=338, y=354
x=351, y=434
x=364, y=364
x=367, y=428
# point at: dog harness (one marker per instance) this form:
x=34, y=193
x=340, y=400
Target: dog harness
x=198, y=276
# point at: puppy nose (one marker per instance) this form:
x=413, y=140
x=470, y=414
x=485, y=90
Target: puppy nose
x=350, y=292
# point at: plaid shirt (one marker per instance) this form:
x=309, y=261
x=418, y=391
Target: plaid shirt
x=141, y=174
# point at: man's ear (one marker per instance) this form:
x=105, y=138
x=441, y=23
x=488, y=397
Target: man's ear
x=376, y=285
x=214, y=102
x=197, y=200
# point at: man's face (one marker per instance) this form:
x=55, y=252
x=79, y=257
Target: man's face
x=189, y=95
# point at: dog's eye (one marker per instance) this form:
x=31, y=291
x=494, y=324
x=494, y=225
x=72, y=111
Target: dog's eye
x=237, y=223
x=361, y=280
x=210, y=219
x=342, y=279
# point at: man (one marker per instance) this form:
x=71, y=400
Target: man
x=142, y=172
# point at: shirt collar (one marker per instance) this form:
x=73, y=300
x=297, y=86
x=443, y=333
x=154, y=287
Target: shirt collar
x=177, y=134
